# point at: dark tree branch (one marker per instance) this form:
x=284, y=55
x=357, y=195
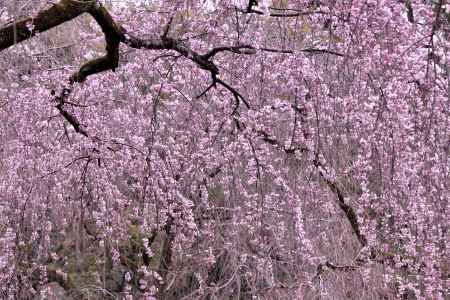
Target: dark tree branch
x=110, y=61
x=167, y=27
x=235, y=93
x=281, y=12
x=409, y=11
x=56, y=15
x=72, y=120
x=213, y=84
x=242, y=49
x=250, y=9
x=277, y=50
x=321, y=51
x=293, y=14
x=68, y=116
x=346, y=208
x=167, y=43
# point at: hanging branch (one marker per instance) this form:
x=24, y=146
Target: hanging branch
x=71, y=119
x=346, y=208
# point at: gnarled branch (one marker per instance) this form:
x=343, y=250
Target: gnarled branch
x=63, y=11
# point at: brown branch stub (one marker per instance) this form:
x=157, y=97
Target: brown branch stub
x=322, y=267
x=250, y=9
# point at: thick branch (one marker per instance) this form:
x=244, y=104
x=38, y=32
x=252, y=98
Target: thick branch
x=66, y=10
x=168, y=43
x=410, y=11
x=58, y=14
x=112, y=32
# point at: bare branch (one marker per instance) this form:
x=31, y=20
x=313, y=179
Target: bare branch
x=277, y=50
x=235, y=93
x=213, y=84
x=167, y=27
x=292, y=12
x=235, y=49
x=321, y=51
x=58, y=14
x=346, y=208
x=68, y=116
x=166, y=43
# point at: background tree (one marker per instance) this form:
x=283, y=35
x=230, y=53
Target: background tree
x=224, y=149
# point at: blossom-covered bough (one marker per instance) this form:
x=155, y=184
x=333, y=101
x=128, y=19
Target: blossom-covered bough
x=265, y=149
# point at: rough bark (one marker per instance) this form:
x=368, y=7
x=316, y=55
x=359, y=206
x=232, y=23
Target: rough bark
x=63, y=11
